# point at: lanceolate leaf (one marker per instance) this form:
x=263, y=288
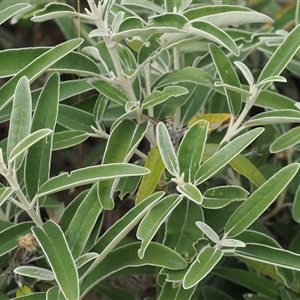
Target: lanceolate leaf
x=267, y=254
x=5, y=192
x=12, y=10
x=156, y=166
x=287, y=140
x=225, y=15
x=121, y=228
x=51, y=239
x=68, y=138
x=166, y=150
x=126, y=256
x=188, y=74
x=82, y=224
x=54, y=10
x=111, y=92
x=153, y=220
x=275, y=117
x=256, y=283
x=75, y=119
x=213, y=33
x=27, y=142
x=202, y=265
x=36, y=68
x=89, y=175
x=37, y=168
x=221, y=196
x=122, y=142
x=296, y=206
x=245, y=167
x=208, y=231
x=227, y=75
x=259, y=201
x=20, y=121
x=191, y=149
x=225, y=154
x=282, y=56
x=158, y=97
x=191, y=192
x=181, y=233
x=35, y=272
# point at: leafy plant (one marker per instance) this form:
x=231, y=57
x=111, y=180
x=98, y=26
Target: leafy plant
x=188, y=135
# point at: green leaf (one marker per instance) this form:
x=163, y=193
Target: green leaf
x=149, y=50
x=110, y=91
x=225, y=154
x=75, y=119
x=253, y=282
x=191, y=149
x=246, y=72
x=153, y=220
x=286, y=140
x=270, y=255
x=85, y=258
x=122, y=142
x=188, y=74
x=34, y=296
x=9, y=236
x=156, y=166
x=245, y=167
x=208, y=231
x=54, y=293
x=122, y=257
x=296, y=206
x=145, y=4
x=221, y=196
x=53, y=243
x=5, y=192
x=203, y=264
x=20, y=121
x=68, y=138
x=99, y=108
x=275, y=117
x=80, y=228
x=54, y=10
x=38, y=66
x=27, y=142
x=212, y=293
x=73, y=63
x=166, y=150
x=227, y=75
x=112, y=236
x=169, y=292
x=165, y=23
x=282, y=56
x=214, y=34
x=158, y=97
x=38, y=158
x=274, y=100
x=260, y=200
x=12, y=10
x=89, y=175
x=226, y=15
x=35, y=272
x=180, y=233
x=191, y=192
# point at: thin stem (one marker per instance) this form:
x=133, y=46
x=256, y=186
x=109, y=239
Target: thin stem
x=233, y=128
x=24, y=203
x=177, y=115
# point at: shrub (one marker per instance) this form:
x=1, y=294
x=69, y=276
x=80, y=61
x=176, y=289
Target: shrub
x=197, y=160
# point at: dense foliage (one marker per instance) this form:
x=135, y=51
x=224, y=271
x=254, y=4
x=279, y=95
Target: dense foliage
x=150, y=149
